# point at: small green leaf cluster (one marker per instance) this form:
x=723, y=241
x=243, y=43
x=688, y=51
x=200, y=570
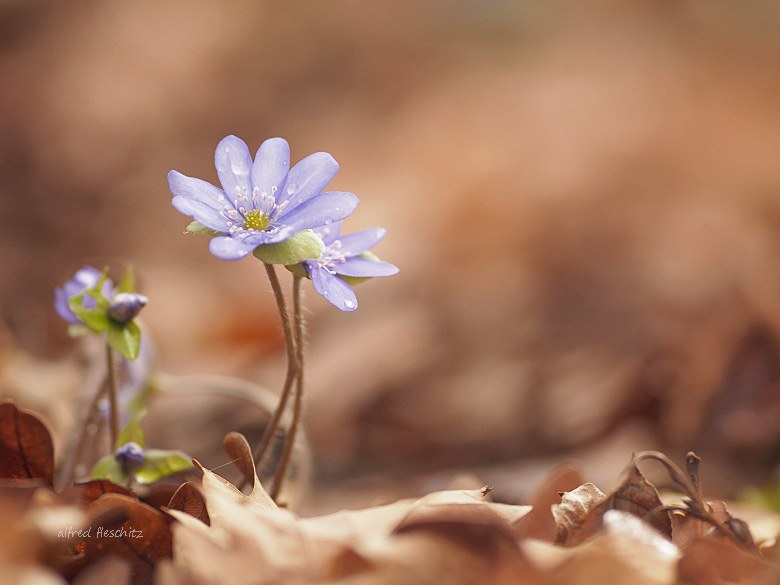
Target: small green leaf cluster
x=123, y=336
x=154, y=465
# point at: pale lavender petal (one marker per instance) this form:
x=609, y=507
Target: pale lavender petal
x=359, y=242
x=201, y=212
x=192, y=188
x=227, y=248
x=328, y=233
x=62, y=307
x=365, y=267
x=325, y=209
x=272, y=163
x=86, y=277
x=308, y=178
x=333, y=288
x=234, y=163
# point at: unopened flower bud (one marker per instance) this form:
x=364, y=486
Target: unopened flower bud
x=126, y=306
x=130, y=456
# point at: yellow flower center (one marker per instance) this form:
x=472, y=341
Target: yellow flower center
x=256, y=220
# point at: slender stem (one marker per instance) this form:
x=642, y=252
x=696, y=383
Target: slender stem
x=77, y=453
x=298, y=404
x=113, y=420
x=292, y=368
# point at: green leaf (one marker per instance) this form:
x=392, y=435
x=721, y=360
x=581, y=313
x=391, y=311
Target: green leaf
x=161, y=462
x=125, y=338
x=305, y=245
x=198, y=228
x=127, y=284
x=109, y=468
x=78, y=330
x=96, y=292
x=96, y=319
x=133, y=431
x=353, y=280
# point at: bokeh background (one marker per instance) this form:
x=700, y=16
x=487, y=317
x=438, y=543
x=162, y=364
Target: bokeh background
x=583, y=198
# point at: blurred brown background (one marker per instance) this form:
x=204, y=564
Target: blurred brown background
x=583, y=199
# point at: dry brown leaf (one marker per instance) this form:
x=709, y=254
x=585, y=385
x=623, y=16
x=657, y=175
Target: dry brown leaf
x=109, y=571
x=574, y=508
x=92, y=490
x=238, y=448
x=243, y=537
x=429, y=558
x=123, y=527
x=539, y=523
x=29, y=533
x=627, y=550
x=634, y=494
x=712, y=562
x=213, y=483
x=685, y=529
x=188, y=499
x=26, y=449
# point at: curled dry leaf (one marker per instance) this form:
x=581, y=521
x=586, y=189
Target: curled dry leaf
x=213, y=483
x=574, y=508
x=627, y=550
x=539, y=522
x=237, y=447
x=635, y=495
x=125, y=528
x=26, y=449
x=189, y=500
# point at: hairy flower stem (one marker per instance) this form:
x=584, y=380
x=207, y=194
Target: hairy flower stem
x=77, y=451
x=289, y=446
x=113, y=416
x=292, y=367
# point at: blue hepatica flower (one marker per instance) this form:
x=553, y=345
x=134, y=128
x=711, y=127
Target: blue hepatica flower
x=262, y=201
x=84, y=279
x=345, y=256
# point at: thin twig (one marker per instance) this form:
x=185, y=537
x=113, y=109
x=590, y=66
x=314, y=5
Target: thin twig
x=695, y=506
x=289, y=446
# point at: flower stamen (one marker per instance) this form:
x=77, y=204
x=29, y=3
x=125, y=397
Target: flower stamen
x=256, y=219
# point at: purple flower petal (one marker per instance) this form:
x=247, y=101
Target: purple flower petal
x=200, y=212
x=272, y=163
x=308, y=178
x=359, y=242
x=333, y=288
x=192, y=196
x=328, y=233
x=324, y=209
x=62, y=307
x=192, y=188
x=227, y=248
x=365, y=267
x=86, y=277
x=234, y=163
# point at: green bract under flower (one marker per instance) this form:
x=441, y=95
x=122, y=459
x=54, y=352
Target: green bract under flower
x=305, y=245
